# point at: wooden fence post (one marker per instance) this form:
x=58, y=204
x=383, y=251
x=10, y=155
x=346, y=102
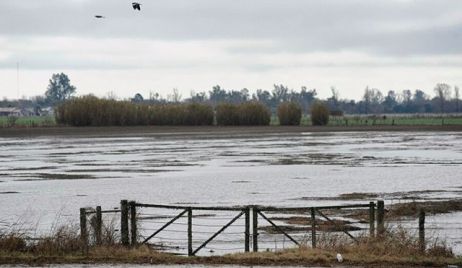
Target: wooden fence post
x=190, y=245
x=380, y=217
x=313, y=228
x=133, y=226
x=422, y=230
x=124, y=222
x=247, y=230
x=83, y=228
x=371, y=219
x=98, y=225
x=255, y=228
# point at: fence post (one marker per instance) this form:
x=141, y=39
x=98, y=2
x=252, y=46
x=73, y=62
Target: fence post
x=313, y=228
x=133, y=225
x=247, y=230
x=371, y=219
x=83, y=228
x=255, y=228
x=380, y=217
x=422, y=230
x=124, y=222
x=98, y=225
x=190, y=246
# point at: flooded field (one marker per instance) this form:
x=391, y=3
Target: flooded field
x=44, y=180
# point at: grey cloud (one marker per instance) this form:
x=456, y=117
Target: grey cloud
x=294, y=25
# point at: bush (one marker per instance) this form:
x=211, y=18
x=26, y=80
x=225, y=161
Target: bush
x=290, y=114
x=92, y=111
x=199, y=114
x=12, y=242
x=253, y=114
x=227, y=114
x=11, y=121
x=244, y=114
x=319, y=114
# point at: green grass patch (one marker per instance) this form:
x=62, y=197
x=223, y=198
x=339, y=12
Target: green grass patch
x=29, y=121
x=380, y=121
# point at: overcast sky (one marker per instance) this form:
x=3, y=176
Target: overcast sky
x=193, y=45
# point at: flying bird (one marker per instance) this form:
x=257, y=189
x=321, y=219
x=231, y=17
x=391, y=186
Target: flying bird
x=100, y=17
x=136, y=6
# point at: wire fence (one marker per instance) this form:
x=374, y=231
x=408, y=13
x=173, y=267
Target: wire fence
x=217, y=231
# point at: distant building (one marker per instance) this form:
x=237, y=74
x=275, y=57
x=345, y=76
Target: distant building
x=28, y=111
x=10, y=111
x=47, y=111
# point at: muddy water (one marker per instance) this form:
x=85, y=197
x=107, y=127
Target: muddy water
x=46, y=179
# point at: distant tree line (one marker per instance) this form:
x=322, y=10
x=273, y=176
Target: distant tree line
x=446, y=99
x=374, y=101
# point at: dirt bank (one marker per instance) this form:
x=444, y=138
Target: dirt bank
x=198, y=130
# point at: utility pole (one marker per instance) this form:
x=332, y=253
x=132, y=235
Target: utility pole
x=17, y=80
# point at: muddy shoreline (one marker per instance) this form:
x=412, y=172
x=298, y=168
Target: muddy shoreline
x=216, y=130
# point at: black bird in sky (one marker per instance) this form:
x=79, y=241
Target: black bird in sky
x=100, y=17
x=136, y=6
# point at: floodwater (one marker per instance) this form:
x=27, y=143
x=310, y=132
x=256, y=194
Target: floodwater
x=45, y=180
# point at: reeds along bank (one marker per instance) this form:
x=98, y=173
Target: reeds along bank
x=93, y=111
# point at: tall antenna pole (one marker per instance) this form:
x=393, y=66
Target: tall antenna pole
x=17, y=79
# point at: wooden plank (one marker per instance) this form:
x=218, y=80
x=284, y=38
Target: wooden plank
x=262, y=208
x=269, y=208
x=111, y=211
x=103, y=211
x=98, y=225
x=380, y=217
x=124, y=223
x=371, y=219
x=190, y=245
x=255, y=228
x=83, y=228
x=247, y=230
x=313, y=228
x=278, y=228
x=133, y=224
x=422, y=230
x=193, y=208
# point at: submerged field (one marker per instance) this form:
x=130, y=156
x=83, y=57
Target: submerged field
x=46, y=179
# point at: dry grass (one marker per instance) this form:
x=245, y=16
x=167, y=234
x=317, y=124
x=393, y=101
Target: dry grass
x=431, y=207
x=395, y=248
x=358, y=196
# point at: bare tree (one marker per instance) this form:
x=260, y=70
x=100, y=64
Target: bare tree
x=111, y=95
x=175, y=96
x=367, y=99
x=443, y=92
x=372, y=100
x=335, y=96
x=457, y=96
x=153, y=96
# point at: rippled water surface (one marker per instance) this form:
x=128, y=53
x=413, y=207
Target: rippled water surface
x=43, y=178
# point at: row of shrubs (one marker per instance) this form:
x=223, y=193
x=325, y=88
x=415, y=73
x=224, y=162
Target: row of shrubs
x=290, y=114
x=93, y=111
x=245, y=114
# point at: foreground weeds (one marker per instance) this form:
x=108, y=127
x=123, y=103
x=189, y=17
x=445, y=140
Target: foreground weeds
x=395, y=248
